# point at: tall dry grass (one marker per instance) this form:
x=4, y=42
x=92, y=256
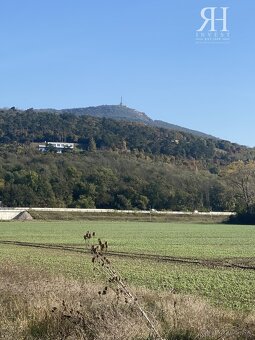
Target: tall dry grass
x=37, y=305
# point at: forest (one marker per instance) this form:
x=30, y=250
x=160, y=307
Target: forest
x=116, y=164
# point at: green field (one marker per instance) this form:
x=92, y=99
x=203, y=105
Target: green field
x=225, y=287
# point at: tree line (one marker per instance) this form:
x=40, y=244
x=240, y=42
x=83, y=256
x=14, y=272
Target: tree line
x=105, y=179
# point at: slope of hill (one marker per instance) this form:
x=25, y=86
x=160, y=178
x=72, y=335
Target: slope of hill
x=122, y=112
x=165, y=125
x=116, y=164
x=108, y=133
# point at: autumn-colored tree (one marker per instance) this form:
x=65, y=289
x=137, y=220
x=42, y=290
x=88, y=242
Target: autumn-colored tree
x=241, y=177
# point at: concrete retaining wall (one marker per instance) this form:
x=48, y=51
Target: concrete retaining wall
x=210, y=213
x=9, y=214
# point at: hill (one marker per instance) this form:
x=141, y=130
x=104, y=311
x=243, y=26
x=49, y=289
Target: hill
x=119, y=112
x=122, y=112
x=115, y=134
x=116, y=164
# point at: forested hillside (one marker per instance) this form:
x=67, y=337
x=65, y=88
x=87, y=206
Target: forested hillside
x=32, y=126
x=104, y=180
x=116, y=164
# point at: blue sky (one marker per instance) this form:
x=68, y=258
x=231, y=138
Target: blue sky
x=78, y=53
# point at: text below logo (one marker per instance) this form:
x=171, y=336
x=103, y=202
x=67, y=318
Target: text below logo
x=214, y=27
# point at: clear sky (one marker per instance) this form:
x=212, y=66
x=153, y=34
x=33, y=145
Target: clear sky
x=78, y=53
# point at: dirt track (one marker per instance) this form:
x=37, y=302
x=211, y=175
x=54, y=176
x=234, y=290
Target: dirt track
x=159, y=258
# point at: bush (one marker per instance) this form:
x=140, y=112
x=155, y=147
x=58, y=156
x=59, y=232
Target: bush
x=243, y=218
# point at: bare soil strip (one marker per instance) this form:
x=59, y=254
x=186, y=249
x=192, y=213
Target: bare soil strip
x=160, y=258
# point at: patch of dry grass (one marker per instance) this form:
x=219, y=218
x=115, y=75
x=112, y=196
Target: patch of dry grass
x=38, y=305
x=116, y=216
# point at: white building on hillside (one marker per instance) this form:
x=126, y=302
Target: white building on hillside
x=58, y=146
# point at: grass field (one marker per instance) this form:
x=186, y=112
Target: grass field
x=184, y=240
x=225, y=287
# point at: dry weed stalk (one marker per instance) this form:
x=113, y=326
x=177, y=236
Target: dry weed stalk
x=88, y=236
x=101, y=262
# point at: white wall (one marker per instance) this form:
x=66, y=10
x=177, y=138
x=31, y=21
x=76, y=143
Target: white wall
x=9, y=214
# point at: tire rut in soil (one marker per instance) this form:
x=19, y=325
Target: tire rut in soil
x=141, y=256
